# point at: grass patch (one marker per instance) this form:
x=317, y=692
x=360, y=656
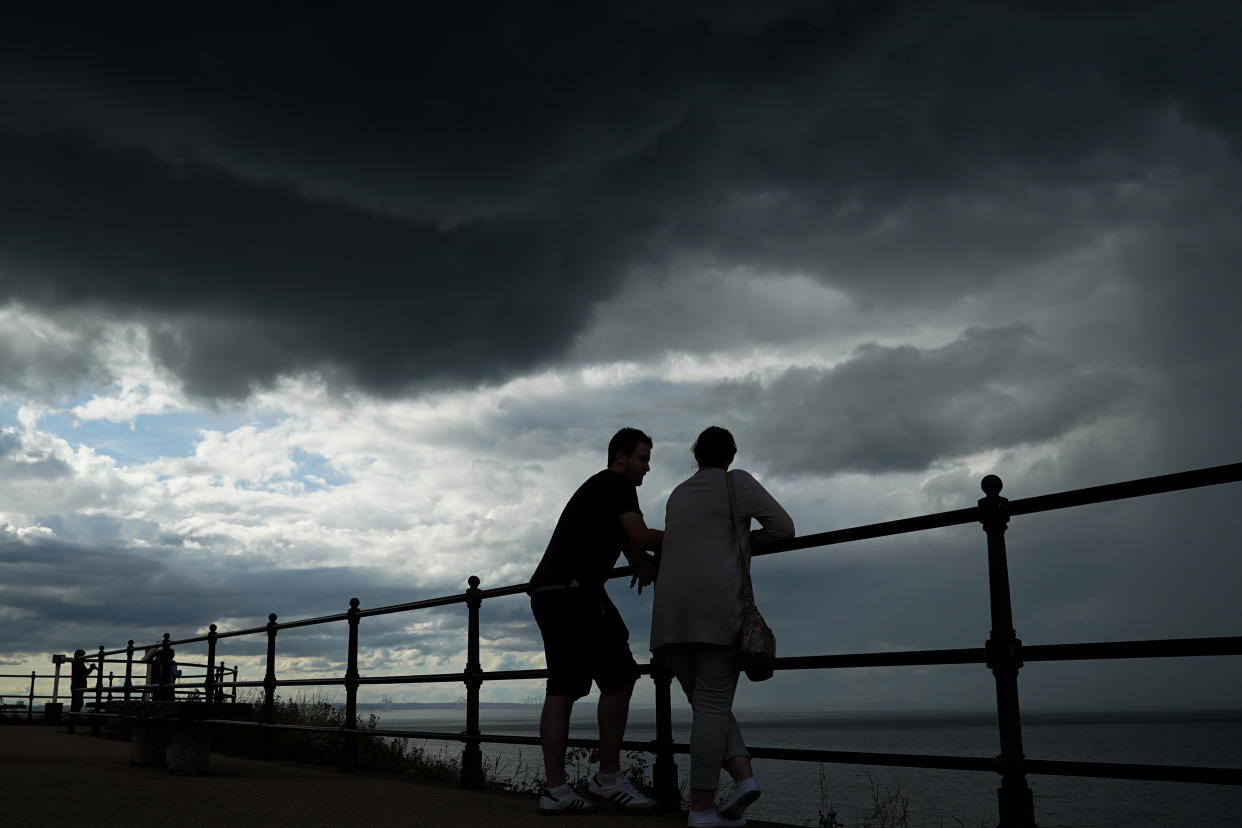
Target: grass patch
x=395, y=755
x=380, y=754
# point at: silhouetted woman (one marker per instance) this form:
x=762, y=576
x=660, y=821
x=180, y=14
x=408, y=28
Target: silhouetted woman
x=696, y=618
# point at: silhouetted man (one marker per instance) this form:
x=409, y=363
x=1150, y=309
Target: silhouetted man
x=584, y=637
x=79, y=672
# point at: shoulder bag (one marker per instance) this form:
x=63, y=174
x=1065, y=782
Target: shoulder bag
x=757, y=645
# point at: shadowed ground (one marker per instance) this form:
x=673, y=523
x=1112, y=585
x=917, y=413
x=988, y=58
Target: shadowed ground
x=50, y=777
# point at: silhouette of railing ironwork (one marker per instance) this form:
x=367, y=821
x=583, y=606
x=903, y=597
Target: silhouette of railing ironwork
x=1003, y=653
x=101, y=693
x=27, y=696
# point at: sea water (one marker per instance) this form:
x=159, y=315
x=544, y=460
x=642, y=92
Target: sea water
x=798, y=793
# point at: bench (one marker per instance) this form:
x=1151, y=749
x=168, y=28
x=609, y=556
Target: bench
x=176, y=734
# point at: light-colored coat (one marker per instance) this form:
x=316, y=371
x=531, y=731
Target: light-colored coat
x=698, y=593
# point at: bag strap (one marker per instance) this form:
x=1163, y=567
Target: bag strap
x=748, y=593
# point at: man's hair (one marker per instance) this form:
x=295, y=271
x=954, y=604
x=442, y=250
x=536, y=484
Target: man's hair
x=715, y=447
x=625, y=441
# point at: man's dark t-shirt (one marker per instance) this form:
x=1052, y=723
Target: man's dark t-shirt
x=588, y=537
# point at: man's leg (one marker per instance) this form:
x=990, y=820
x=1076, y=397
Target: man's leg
x=559, y=616
x=616, y=685
x=554, y=736
x=613, y=711
x=77, y=698
x=559, y=798
x=617, y=671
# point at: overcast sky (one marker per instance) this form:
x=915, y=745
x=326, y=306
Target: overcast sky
x=310, y=306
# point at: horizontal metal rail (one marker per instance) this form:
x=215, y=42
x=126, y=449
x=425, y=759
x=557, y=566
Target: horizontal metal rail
x=1158, y=648
x=1161, y=484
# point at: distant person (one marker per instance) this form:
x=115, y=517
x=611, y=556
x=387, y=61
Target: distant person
x=696, y=618
x=79, y=673
x=165, y=674
x=584, y=637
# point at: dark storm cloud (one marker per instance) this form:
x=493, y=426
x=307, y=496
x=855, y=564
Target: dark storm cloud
x=904, y=408
x=250, y=281
x=446, y=196
x=68, y=595
x=48, y=368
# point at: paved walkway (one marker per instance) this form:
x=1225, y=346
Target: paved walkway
x=52, y=778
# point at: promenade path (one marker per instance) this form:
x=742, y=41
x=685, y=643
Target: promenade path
x=52, y=778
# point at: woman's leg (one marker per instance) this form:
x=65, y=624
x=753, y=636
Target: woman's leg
x=679, y=659
x=739, y=767
x=737, y=763
x=715, y=736
x=682, y=660
x=723, y=660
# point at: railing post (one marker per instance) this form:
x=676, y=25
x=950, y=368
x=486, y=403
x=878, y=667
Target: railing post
x=129, y=668
x=99, y=678
x=30, y=701
x=209, y=681
x=77, y=692
x=58, y=661
x=472, y=754
x=267, y=748
x=95, y=720
x=349, y=757
x=1004, y=654
x=664, y=773
x=127, y=689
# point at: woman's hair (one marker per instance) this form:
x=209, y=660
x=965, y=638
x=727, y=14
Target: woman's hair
x=715, y=447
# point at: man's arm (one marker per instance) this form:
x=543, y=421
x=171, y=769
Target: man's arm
x=637, y=536
x=638, y=539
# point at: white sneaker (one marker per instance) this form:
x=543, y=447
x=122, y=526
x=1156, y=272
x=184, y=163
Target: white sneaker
x=744, y=794
x=712, y=819
x=623, y=793
x=570, y=803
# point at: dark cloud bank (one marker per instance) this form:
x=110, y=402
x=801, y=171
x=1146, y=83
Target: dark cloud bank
x=904, y=408
x=70, y=594
x=444, y=196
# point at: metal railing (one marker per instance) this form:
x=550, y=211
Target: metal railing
x=28, y=696
x=101, y=693
x=1003, y=653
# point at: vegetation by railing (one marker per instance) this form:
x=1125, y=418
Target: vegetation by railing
x=1004, y=654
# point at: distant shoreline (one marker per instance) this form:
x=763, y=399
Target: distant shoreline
x=453, y=705
x=888, y=717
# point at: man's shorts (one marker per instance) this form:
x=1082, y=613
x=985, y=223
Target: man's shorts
x=584, y=640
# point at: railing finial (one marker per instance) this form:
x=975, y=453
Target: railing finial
x=991, y=485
